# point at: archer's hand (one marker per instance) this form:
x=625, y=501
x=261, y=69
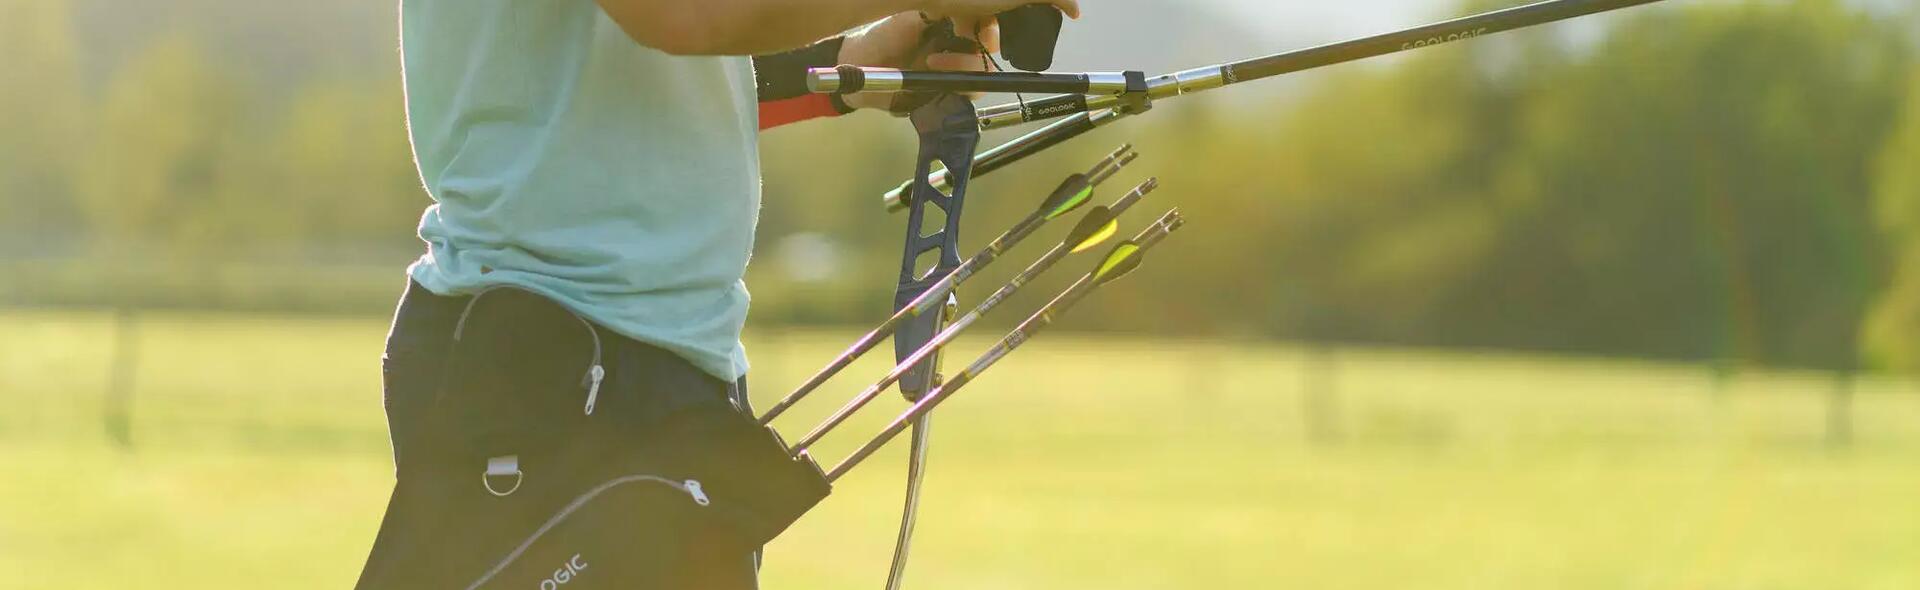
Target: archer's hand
x=988, y=8
x=893, y=42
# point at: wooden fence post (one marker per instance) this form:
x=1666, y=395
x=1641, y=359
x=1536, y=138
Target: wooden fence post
x=1320, y=394
x=118, y=414
x=1840, y=411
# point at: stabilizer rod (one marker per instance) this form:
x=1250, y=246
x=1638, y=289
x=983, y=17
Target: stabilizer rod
x=1215, y=76
x=1085, y=113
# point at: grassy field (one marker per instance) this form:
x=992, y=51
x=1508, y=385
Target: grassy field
x=260, y=461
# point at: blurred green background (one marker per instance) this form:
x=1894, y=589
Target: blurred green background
x=1627, y=302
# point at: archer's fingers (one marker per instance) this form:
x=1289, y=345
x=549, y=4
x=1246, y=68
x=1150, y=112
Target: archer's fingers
x=984, y=30
x=989, y=35
x=1070, y=7
x=969, y=26
x=956, y=62
x=959, y=62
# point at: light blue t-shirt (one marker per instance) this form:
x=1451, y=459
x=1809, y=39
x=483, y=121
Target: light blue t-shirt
x=567, y=159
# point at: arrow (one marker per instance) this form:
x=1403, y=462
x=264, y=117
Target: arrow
x=1096, y=227
x=1070, y=195
x=1120, y=261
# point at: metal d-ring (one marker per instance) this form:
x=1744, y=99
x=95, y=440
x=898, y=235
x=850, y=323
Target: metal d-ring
x=502, y=467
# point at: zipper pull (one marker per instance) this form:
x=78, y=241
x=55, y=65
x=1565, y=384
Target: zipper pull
x=594, y=376
x=699, y=495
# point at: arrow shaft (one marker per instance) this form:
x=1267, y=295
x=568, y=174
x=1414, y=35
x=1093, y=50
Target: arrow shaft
x=1034, y=324
x=936, y=294
x=946, y=336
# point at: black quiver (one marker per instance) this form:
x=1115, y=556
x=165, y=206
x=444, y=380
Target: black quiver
x=522, y=488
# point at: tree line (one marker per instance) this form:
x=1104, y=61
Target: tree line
x=1735, y=182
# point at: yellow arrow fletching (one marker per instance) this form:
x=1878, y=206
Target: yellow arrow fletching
x=1120, y=260
x=1107, y=230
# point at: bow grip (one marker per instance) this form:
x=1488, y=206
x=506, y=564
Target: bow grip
x=949, y=133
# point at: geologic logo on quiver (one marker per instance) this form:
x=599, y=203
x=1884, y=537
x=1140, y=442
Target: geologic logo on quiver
x=570, y=570
x=1445, y=39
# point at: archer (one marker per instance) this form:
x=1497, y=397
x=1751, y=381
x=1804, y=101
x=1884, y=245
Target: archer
x=595, y=175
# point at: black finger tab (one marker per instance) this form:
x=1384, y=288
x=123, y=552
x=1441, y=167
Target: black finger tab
x=1028, y=35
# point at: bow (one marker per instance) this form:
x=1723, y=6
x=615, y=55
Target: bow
x=949, y=135
x=949, y=129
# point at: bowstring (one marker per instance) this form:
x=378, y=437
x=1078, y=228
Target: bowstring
x=988, y=63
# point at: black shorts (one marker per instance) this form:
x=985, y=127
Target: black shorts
x=471, y=487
